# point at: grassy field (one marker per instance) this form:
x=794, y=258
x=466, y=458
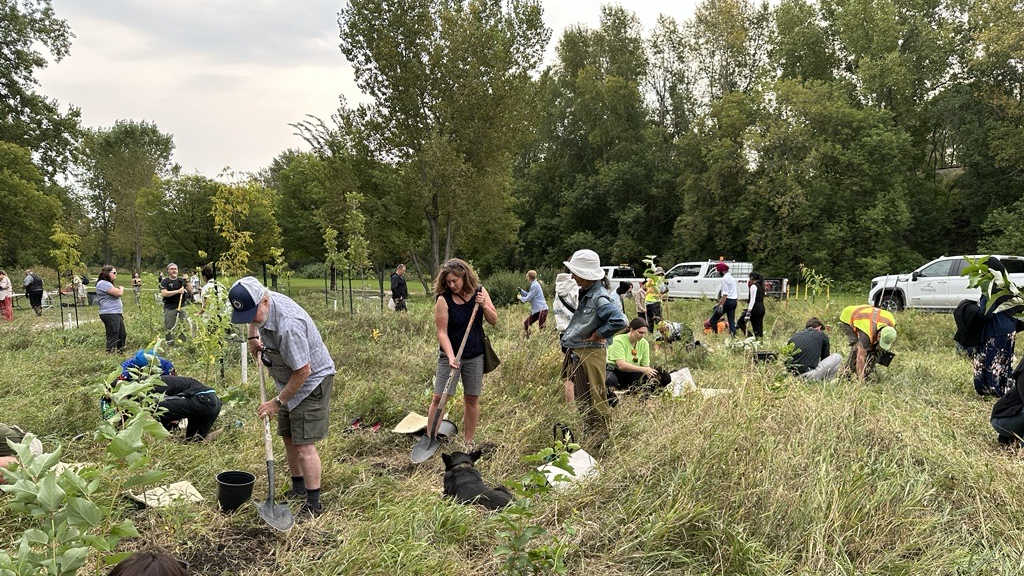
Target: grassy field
x=901, y=475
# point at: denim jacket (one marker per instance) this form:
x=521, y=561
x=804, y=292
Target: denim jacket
x=597, y=311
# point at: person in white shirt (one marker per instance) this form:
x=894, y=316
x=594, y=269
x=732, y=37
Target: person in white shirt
x=727, y=302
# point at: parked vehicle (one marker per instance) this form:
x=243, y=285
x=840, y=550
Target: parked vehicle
x=623, y=272
x=937, y=285
x=701, y=280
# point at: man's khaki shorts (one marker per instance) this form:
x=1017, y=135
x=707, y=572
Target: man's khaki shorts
x=309, y=421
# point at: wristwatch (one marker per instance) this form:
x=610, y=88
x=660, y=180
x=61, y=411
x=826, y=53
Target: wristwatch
x=277, y=400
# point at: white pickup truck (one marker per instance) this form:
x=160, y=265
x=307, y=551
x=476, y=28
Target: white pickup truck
x=701, y=280
x=937, y=285
x=623, y=273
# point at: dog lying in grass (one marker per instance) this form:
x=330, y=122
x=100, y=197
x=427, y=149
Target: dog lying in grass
x=464, y=483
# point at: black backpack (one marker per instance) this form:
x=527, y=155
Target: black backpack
x=85, y=279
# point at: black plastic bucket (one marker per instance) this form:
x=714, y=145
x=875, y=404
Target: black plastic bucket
x=234, y=488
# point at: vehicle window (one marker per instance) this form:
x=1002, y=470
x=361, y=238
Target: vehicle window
x=623, y=273
x=940, y=268
x=1013, y=266
x=691, y=270
x=959, y=268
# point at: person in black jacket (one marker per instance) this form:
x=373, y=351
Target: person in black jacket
x=1008, y=412
x=34, y=290
x=188, y=398
x=399, y=290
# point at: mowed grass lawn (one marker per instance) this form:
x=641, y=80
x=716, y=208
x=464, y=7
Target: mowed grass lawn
x=901, y=475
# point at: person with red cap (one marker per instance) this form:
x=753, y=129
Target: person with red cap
x=727, y=301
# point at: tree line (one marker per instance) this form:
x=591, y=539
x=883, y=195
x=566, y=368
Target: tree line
x=857, y=137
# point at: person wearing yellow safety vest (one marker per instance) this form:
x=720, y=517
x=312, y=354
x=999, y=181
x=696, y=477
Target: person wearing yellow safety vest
x=867, y=329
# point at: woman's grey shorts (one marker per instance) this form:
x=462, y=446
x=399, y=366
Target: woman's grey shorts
x=471, y=372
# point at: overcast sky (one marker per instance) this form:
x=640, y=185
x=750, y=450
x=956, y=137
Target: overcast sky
x=226, y=77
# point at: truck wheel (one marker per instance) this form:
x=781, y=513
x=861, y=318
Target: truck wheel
x=891, y=301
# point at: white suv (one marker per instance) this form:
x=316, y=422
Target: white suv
x=937, y=285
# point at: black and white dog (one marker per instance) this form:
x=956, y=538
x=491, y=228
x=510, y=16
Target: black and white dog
x=464, y=483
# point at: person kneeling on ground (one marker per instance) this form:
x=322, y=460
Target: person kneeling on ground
x=15, y=435
x=629, y=362
x=811, y=358
x=188, y=398
x=144, y=363
x=668, y=332
x=1008, y=412
x=868, y=330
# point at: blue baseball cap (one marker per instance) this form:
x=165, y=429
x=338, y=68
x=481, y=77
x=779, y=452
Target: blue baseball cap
x=245, y=296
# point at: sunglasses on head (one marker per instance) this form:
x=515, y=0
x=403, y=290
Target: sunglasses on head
x=454, y=265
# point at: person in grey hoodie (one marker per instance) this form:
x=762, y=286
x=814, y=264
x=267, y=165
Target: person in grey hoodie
x=563, y=307
x=598, y=317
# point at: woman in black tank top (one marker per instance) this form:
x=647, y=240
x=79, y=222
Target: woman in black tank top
x=457, y=290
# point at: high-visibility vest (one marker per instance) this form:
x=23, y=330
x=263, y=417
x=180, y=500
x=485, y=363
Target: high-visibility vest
x=867, y=319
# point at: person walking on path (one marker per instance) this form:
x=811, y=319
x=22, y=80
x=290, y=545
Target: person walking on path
x=108, y=297
x=399, y=289
x=137, y=287
x=6, y=297
x=174, y=289
x=598, y=317
x=285, y=338
x=538, y=307
x=34, y=290
x=457, y=291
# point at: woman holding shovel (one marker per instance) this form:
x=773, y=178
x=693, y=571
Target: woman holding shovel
x=458, y=292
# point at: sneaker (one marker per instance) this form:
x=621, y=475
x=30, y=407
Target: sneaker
x=308, y=511
x=293, y=496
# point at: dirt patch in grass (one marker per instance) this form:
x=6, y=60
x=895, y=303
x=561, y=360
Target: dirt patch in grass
x=233, y=550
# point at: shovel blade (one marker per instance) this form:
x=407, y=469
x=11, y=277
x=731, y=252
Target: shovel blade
x=277, y=515
x=424, y=449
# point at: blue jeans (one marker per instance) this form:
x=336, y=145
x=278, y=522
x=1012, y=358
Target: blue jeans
x=1011, y=426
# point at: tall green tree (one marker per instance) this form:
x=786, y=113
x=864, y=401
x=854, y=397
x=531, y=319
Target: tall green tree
x=26, y=214
x=450, y=82
x=122, y=166
x=28, y=118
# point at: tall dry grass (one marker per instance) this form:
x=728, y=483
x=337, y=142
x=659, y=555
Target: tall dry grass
x=900, y=475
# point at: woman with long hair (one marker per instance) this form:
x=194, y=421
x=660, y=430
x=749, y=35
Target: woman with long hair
x=755, y=305
x=456, y=291
x=108, y=297
x=629, y=359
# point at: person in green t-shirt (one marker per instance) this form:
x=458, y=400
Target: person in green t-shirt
x=629, y=359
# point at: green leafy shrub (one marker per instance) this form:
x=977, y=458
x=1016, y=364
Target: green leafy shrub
x=504, y=287
x=312, y=270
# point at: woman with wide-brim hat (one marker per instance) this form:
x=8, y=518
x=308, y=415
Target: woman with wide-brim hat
x=598, y=317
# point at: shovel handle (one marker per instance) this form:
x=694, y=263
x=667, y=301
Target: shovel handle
x=268, y=446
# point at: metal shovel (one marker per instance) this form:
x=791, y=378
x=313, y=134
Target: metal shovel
x=277, y=515
x=429, y=443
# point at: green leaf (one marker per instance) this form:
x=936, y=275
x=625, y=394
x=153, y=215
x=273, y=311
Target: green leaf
x=35, y=536
x=50, y=496
x=147, y=478
x=82, y=512
x=72, y=559
x=125, y=529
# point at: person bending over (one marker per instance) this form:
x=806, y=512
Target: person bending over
x=811, y=359
x=188, y=398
